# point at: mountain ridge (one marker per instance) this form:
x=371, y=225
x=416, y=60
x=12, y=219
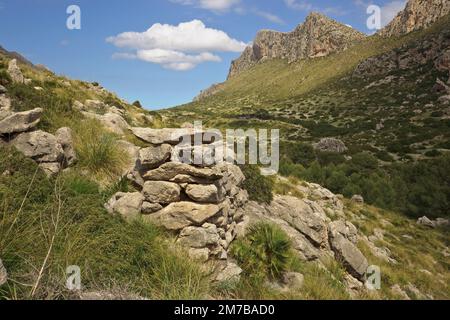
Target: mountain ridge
x=318, y=36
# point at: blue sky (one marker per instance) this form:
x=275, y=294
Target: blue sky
x=169, y=64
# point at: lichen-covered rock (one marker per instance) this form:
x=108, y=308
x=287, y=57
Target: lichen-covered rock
x=162, y=192
x=20, y=121
x=230, y=273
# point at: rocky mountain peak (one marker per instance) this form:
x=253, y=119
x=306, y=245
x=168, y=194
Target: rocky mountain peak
x=318, y=36
x=418, y=14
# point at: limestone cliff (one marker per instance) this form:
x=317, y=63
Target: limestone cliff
x=418, y=14
x=318, y=36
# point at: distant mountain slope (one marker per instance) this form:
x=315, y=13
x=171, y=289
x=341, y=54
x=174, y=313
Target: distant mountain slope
x=317, y=37
x=417, y=15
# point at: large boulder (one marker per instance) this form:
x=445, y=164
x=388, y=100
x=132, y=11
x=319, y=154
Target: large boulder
x=204, y=193
x=303, y=215
x=14, y=72
x=161, y=192
x=330, y=145
x=179, y=215
x=64, y=137
x=111, y=121
x=349, y=255
x=42, y=147
x=199, y=237
x=3, y=274
x=170, y=170
x=20, y=121
x=153, y=156
x=129, y=205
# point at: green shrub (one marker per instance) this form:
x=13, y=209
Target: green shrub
x=265, y=251
x=97, y=149
x=259, y=187
x=137, y=104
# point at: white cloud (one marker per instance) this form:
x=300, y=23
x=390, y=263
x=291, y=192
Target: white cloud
x=269, y=16
x=180, y=47
x=299, y=5
x=213, y=5
x=390, y=10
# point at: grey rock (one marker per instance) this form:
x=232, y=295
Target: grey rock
x=199, y=237
x=204, y=193
x=230, y=273
x=179, y=215
x=153, y=157
x=349, y=255
x=20, y=121
x=39, y=146
x=170, y=170
x=14, y=72
x=357, y=198
x=3, y=89
x=161, y=192
x=129, y=205
x=64, y=137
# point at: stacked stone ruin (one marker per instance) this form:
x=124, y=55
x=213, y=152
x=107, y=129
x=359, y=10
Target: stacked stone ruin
x=200, y=203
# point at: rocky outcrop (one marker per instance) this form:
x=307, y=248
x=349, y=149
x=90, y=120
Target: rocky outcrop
x=200, y=204
x=418, y=14
x=433, y=49
x=318, y=36
x=330, y=145
x=307, y=223
x=212, y=90
x=439, y=222
x=14, y=72
x=18, y=122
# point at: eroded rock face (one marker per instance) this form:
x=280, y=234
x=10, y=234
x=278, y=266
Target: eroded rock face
x=418, y=14
x=412, y=56
x=317, y=37
x=20, y=121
